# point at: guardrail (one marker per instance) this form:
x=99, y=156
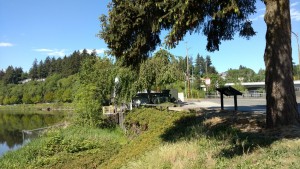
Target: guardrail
x=246, y=95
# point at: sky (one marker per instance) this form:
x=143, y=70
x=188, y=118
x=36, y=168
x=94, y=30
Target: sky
x=35, y=29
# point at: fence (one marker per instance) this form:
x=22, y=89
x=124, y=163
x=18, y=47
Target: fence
x=245, y=95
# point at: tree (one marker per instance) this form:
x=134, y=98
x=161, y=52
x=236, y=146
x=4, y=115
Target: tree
x=41, y=70
x=2, y=73
x=132, y=30
x=12, y=75
x=243, y=74
x=215, y=82
x=47, y=65
x=210, y=69
x=96, y=81
x=198, y=66
x=260, y=76
x=158, y=71
x=136, y=36
x=281, y=98
x=9, y=75
x=33, y=72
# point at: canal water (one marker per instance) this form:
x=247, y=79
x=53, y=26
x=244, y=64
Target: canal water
x=12, y=123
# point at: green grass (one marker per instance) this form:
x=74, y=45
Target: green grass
x=72, y=147
x=38, y=107
x=161, y=139
x=145, y=127
x=208, y=140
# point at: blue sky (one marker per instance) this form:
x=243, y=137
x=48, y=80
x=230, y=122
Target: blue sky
x=32, y=29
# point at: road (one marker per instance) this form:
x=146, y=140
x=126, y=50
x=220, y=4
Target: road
x=244, y=104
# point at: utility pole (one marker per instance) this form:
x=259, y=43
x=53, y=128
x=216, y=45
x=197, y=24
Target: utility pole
x=187, y=72
x=298, y=47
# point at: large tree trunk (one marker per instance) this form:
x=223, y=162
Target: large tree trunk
x=281, y=99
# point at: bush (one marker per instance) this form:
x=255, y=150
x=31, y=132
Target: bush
x=73, y=147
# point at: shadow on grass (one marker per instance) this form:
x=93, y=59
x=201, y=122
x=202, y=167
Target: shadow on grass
x=243, y=132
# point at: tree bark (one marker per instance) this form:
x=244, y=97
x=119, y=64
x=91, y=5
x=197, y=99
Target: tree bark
x=281, y=98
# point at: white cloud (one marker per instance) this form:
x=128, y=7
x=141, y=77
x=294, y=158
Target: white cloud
x=52, y=52
x=60, y=53
x=43, y=50
x=5, y=44
x=98, y=51
x=295, y=15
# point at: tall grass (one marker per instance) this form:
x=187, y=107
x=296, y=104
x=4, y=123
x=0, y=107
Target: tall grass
x=180, y=155
x=161, y=139
x=71, y=147
x=199, y=141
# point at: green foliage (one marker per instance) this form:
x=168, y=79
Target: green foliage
x=178, y=85
x=35, y=107
x=238, y=86
x=144, y=127
x=158, y=71
x=132, y=28
x=199, y=141
x=12, y=75
x=215, y=82
x=53, y=89
x=96, y=83
x=48, y=97
x=33, y=72
x=73, y=147
x=197, y=93
x=127, y=86
x=260, y=76
x=160, y=139
x=243, y=74
x=88, y=105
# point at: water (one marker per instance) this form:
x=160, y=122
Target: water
x=12, y=123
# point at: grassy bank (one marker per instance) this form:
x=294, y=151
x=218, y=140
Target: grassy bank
x=71, y=147
x=38, y=107
x=161, y=139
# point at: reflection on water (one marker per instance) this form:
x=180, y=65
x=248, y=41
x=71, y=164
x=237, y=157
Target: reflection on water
x=12, y=124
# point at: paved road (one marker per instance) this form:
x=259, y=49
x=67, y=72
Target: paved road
x=244, y=104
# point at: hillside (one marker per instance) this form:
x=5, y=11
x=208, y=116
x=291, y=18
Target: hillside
x=161, y=139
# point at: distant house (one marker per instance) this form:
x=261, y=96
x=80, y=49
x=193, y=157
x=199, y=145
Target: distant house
x=41, y=80
x=28, y=80
x=25, y=81
x=223, y=75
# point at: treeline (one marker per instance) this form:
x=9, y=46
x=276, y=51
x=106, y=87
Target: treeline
x=89, y=81
x=66, y=66
x=50, y=80
x=53, y=89
x=83, y=77
x=201, y=68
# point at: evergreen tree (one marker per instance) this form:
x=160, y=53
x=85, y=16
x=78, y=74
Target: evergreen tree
x=33, y=72
x=197, y=69
x=12, y=75
x=2, y=73
x=53, y=68
x=42, y=70
x=47, y=65
x=210, y=69
x=134, y=37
